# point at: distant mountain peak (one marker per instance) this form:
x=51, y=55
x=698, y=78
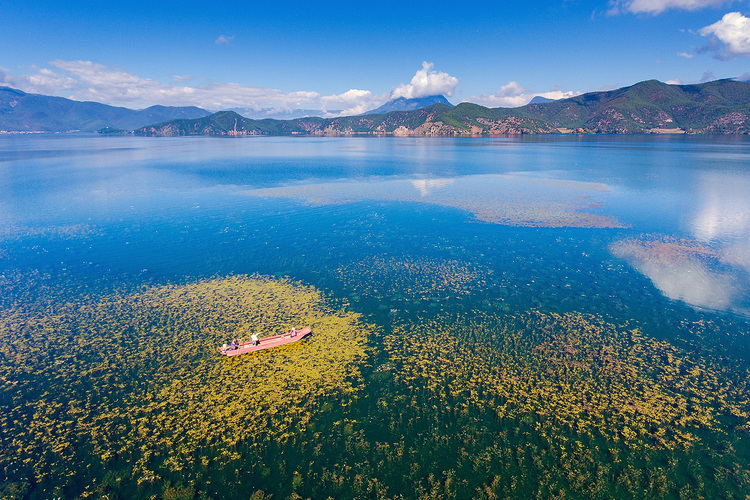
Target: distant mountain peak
x=10, y=90
x=404, y=104
x=540, y=100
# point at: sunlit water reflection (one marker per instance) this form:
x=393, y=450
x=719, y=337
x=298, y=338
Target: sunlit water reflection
x=693, y=189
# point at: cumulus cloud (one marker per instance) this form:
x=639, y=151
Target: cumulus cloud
x=511, y=89
x=89, y=81
x=224, y=40
x=674, y=81
x=426, y=82
x=685, y=55
x=655, y=7
x=513, y=95
x=40, y=81
x=351, y=102
x=729, y=37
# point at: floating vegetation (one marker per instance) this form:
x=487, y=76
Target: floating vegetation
x=133, y=383
x=62, y=232
x=531, y=405
x=689, y=271
x=574, y=371
x=413, y=278
x=124, y=395
x=508, y=199
x=547, y=405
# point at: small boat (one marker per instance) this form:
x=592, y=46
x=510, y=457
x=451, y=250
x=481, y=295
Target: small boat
x=266, y=342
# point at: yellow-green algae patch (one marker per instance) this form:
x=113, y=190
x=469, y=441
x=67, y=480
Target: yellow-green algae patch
x=137, y=378
x=539, y=405
x=414, y=277
x=568, y=371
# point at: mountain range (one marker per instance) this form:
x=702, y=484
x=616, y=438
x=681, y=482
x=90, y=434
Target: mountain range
x=719, y=107
x=22, y=112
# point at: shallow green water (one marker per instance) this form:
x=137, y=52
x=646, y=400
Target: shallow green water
x=516, y=254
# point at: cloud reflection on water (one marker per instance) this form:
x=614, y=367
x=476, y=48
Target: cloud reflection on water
x=425, y=186
x=723, y=215
x=509, y=199
x=713, y=269
x=688, y=271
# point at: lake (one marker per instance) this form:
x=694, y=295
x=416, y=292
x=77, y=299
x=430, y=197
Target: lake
x=492, y=318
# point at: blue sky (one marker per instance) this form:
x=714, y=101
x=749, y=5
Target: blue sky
x=334, y=56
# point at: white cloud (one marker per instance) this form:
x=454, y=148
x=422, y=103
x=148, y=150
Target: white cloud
x=733, y=31
x=426, y=83
x=41, y=81
x=224, y=40
x=89, y=81
x=351, y=102
x=674, y=81
x=182, y=78
x=511, y=89
x=685, y=55
x=513, y=95
x=655, y=7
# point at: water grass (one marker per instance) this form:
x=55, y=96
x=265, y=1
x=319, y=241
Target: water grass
x=134, y=382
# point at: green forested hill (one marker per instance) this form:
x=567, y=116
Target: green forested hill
x=435, y=120
x=720, y=107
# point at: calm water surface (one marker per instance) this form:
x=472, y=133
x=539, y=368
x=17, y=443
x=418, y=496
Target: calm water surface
x=649, y=231
x=214, y=206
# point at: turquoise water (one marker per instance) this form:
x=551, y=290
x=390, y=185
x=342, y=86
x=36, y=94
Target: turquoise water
x=645, y=231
